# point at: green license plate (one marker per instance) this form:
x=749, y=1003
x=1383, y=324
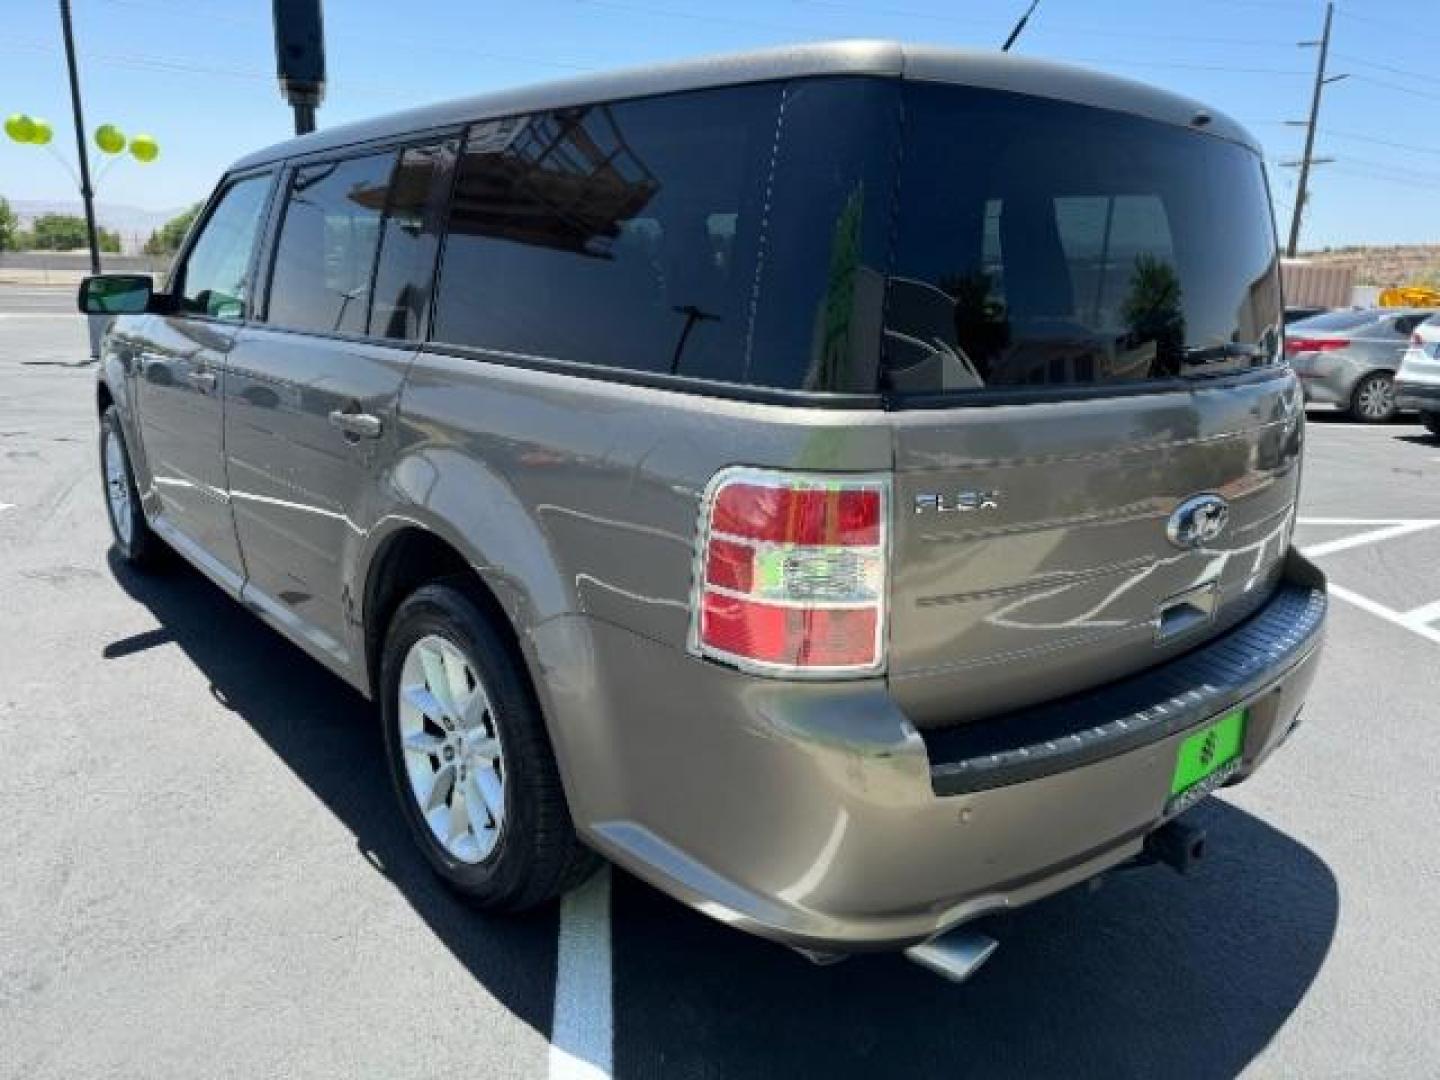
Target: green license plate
x=1206, y=760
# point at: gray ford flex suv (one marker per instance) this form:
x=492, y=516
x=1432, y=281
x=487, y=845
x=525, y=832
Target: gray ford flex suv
x=849, y=487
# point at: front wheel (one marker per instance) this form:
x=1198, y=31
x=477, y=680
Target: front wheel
x=1431, y=420
x=1373, y=400
x=137, y=545
x=470, y=757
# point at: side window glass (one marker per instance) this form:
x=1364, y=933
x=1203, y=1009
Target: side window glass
x=325, y=253
x=214, y=278
x=619, y=235
x=407, y=250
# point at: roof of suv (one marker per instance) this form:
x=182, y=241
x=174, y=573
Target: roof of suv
x=963, y=67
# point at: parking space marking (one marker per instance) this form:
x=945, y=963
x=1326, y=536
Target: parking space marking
x=1417, y=620
x=582, y=1032
x=1364, y=603
x=6, y=506
x=1424, y=614
x=1388, y=532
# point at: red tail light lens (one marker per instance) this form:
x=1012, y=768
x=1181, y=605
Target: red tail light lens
x=791, y=574
x=1308, y=344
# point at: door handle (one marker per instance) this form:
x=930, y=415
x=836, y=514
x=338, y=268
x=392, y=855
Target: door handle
x=360, y=424
x=201, y=380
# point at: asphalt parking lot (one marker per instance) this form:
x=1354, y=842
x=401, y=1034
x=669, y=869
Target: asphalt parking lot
x=202, y=873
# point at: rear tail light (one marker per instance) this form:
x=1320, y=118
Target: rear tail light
x=791, y=573
x=1305, y=344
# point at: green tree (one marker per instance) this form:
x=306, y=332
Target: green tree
x=66, y=232
x=59, y=232
x=166, y=240
x=9, y=227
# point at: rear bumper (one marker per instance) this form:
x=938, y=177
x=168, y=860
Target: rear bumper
x=1420, y=396
x=819, y=816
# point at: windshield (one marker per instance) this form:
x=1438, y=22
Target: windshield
x=1046, y=244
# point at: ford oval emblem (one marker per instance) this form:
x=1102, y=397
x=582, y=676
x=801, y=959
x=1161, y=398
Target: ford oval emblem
x=1198, y=521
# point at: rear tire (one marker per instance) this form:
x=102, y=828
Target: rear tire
x=134, y=540
x=465, y=737
x=1431, y=421
x=1373, y=399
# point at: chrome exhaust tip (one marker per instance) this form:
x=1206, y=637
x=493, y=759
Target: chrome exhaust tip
x=955, y=956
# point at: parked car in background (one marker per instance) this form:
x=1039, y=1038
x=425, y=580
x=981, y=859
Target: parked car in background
x=1349, y=358
x=1417, y=383
x=1295, y=314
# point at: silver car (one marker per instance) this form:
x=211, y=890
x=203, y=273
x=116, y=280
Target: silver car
x=1417, y=383
x=850, y=487
x=1349, y=358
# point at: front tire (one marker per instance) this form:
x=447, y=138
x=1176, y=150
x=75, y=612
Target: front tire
x=470, y=757
x=1373, y=399
x=134, y=540
x=1431, y=420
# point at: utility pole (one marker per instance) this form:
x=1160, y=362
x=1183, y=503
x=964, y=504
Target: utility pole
x=87, y=193
x=1308, y=157
x=1020, y=26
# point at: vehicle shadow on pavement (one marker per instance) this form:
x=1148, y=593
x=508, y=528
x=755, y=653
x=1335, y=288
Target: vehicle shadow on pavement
x=330, y=738
x=1151, y=975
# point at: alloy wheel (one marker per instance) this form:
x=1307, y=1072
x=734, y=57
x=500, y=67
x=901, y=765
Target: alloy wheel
x=452, y=751
x=1376, y=399
x=117, y=486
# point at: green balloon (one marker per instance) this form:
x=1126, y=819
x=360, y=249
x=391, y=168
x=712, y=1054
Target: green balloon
x=109, y=138
x=43, y=133
x=144, y=148
x=20, y=127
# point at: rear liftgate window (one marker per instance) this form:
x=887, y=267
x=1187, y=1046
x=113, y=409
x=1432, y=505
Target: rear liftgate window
x=1044, y=244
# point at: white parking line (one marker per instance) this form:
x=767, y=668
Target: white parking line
x=1364, y=603
x=1389, y=532
x=582, y=1032
x=6, y=506
x=1424, y=614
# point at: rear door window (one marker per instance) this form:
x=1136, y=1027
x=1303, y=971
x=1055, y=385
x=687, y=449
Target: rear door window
x=1047, y=244
x=621, y=235
x=325, y=253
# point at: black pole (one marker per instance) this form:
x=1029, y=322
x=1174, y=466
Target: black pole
x=87, y=194
x=1320, y=81
x=304, y=118
x=1020, y=26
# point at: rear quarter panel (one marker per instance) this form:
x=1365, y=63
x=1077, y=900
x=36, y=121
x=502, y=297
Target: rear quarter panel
x=580, y=496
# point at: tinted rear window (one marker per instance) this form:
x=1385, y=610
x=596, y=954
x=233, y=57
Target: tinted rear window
x=621, y=235
x=1040, y=243
x=1335, y=320
x=734, y=234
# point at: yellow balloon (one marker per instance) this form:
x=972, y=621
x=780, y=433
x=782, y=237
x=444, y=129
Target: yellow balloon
x=42, y=133
x=20, y=127
x=144, y=148
x=109, y=138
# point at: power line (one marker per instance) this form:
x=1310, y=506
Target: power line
x=1357, y=137
x=1372, y=80
x=1427, y=77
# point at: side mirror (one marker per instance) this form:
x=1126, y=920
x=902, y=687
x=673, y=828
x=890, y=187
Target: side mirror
x=117, y=294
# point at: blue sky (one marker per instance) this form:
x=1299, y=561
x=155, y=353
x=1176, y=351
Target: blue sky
x=198, y=75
